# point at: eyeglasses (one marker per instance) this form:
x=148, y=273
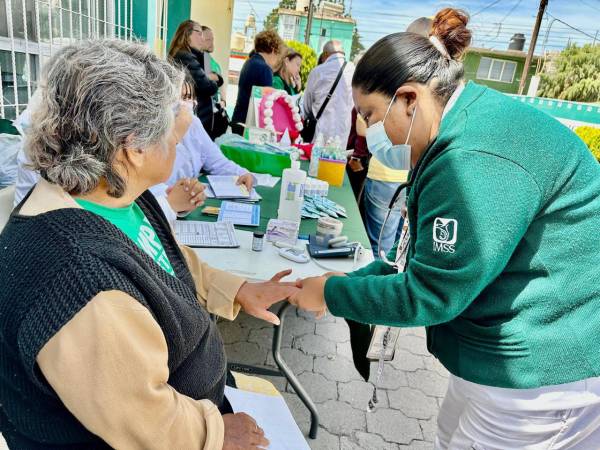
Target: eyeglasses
x=195, y=30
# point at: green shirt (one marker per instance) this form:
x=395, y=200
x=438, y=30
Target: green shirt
x=134, y=224
x=216, y=68
x=504, y=261
x=278, y=83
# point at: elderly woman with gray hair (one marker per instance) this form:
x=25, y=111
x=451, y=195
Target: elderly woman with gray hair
x=105, y=334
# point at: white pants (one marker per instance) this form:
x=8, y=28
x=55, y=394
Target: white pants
x=476, y=417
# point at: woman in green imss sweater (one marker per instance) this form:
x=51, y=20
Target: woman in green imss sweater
x=502, y=264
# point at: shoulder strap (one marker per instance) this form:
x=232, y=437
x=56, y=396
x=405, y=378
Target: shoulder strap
x=331, y=91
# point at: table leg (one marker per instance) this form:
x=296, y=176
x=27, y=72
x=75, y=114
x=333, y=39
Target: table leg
x=277, y=336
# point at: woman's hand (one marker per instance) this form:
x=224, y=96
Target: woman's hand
x=256, y=298
x=186, y=195
x=311, y=296
x=243, y=433
x=247, y=180
x=298, y=82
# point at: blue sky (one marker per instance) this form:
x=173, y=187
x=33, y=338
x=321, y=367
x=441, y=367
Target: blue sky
x=492, y=27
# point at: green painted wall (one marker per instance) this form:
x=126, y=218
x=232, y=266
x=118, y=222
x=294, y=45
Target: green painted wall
x=140, y=17
x=178, y=12
x=471, y=64
x=341, y=31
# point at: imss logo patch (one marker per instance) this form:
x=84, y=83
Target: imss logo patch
x=445, y=233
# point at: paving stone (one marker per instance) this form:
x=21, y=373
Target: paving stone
x=246, y=353
x=415, y=345
x=298, y=326
x=310, y=316
x=417, y=445
x=324, y=441
x=366, y=441
x=299, y=412
x=429, y=428
x=319, y=388
x=393, y=426
x=336, y=368
x=232, y=332
x=358, y=394
x=414, y=331
x=312, y=344
x=432, y=363
x=261, y=336
x=413, y=403
x=343, y=349
x=406, y=361
x=430, y=383
x=340, y=418
x=297, y=361
x=392, y=378
x=247, y=321
x=334, y=331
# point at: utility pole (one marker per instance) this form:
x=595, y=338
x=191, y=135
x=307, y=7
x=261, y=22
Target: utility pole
x=534, y=36
x=309, y=23
x=595, y=37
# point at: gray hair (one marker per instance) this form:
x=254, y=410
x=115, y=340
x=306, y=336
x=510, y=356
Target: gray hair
x=333, y=46
x=97, y=97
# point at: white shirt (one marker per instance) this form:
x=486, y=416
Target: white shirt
x=337, y=116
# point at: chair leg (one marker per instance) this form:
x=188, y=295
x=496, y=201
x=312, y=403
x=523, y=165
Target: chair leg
x=277, y=336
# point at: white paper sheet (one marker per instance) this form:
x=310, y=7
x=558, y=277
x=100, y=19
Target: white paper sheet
x=266, y=179
x=272, y=415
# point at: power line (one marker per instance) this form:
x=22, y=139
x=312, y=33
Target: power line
x=485, y=8
x=589, y=5
x=571, y=26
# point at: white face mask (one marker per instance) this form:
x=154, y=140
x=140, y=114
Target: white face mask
x=390, y=155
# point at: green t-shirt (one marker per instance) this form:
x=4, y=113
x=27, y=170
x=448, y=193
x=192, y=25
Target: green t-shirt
x=134, y=224
x=216, y=68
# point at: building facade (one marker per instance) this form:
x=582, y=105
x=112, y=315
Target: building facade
x=498, y=69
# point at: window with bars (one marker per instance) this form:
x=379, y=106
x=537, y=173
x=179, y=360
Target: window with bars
x=32, y=30
x=496, y=70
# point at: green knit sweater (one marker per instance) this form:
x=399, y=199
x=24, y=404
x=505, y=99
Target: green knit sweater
x=504, y=261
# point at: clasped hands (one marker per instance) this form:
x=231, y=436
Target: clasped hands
x=307, y=294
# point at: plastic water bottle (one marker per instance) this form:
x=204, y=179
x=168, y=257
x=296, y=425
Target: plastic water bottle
x=291, y=196
x=313, y=168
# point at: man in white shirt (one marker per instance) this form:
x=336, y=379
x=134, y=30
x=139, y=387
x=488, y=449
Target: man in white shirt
x=337, y=116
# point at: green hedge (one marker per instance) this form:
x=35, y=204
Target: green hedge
x=309, y=59
x=591, y=137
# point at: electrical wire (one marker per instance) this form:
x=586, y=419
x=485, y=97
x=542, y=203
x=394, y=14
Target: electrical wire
x=589, y=5
x=572, y=27
x=488, y=6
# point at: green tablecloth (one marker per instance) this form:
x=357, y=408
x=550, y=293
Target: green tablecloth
x=353, y=225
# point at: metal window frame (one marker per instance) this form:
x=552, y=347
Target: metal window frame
x=112, y=24
x=499, y=80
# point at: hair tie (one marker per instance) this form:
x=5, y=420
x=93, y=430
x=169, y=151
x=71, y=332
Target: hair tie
x=441, y=47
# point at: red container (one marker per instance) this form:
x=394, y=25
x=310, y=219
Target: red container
x=306, y=148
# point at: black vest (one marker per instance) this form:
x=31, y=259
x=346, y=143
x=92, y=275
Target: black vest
x=51, y=266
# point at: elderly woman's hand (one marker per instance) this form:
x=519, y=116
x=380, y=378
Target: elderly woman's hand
x=243, y=433
x=186, y=195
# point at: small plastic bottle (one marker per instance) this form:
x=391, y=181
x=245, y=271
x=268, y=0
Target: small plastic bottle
x=313, y=168
x=291, y=196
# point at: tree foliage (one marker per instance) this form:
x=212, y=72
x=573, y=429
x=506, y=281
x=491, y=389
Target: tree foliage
x=309, y=58
x=357, y=45
x=273, y=17
x=575, y=75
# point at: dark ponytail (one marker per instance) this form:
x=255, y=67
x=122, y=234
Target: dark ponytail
x=402, y=57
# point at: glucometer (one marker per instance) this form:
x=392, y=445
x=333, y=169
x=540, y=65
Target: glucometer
x=316, y=249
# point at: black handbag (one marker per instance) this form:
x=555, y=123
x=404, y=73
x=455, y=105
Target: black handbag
x=310, y=121
x=220, y=122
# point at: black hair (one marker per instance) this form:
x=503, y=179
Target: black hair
x=402, y=57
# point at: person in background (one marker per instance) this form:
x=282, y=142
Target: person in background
x=109, y=341
x=187, y=49
x=287, y=78
x=358, y=162
x=196, y=153
x=500, y=264
x=220, y=116
x=336, y=120
x=257, y=71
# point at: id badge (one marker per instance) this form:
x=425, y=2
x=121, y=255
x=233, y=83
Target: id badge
x=375, y=351
x=403, y=243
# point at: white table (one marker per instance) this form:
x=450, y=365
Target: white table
x=261, y=266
